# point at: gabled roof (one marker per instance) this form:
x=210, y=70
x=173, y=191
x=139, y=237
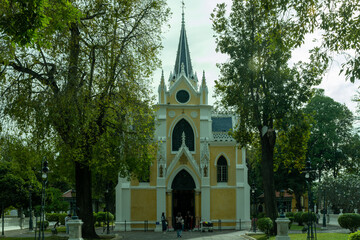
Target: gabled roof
x=183, y=54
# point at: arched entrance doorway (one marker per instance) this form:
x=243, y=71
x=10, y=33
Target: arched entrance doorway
x=183, y=198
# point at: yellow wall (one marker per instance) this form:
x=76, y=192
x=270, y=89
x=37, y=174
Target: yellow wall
x=230, y=155
x=143, y=204
x=222, y=204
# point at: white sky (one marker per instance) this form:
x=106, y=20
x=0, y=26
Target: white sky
x=203, y=56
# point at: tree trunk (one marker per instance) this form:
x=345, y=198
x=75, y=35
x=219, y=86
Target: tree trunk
x=267, y=166
x=84, y=199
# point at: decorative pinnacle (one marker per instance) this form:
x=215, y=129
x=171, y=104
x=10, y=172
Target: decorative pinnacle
x=203, y=78
x=162, y=77
x=183, y=138
x=183, y=7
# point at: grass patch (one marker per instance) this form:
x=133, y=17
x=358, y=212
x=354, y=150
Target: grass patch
x=302, y=236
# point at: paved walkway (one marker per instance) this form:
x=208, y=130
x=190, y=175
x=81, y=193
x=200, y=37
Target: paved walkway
x=140, y=235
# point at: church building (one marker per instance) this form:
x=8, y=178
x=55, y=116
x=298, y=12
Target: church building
x=200, y=171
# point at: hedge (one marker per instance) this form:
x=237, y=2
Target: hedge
x=354, y=236
x=265, y=225
x=297, y=218
x=349, y=221
x=305, y=217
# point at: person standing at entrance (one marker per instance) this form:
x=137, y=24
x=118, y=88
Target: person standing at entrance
x=163, y=222
x=178, y=225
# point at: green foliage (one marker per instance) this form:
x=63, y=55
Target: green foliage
x=102, y=217
x=327, y=147
x=298, y=219
x=11, y=187
x=349, y=221
x=56, y=217
x=306, y=217
x=354, y=236
x=52, y=217
x=257, y=82
x=81, y=86
x=45, y=224
x=55, y=202
x=265, y=225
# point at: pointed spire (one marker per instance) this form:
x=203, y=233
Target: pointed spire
x=162, y=82
x=203, y=82
x=183, y=53
x=183, y=139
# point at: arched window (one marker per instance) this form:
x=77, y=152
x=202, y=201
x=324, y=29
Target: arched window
x=222, y=170
x=182, y=127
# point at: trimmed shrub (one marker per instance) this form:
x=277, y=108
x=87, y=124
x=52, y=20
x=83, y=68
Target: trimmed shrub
x=46, y=224
x=297, y=218
x=289, y=214
x=265, y=225
x=349, y=221
x=306, y=217
x=354, y=236
x=52, y=217
x=261, y=215
x=62, y=218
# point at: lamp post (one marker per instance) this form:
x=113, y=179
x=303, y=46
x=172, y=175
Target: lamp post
x=107, y=210
x=282, y=214
x=324, y=211
x=44, y=176
x=311, y=224
x=74, y=208
x=253, y=189
x=31, y=228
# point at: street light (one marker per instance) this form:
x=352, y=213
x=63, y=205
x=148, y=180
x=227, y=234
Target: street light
x=311, y=224
x=253, y=189
x=73, y=196
x=44, y=176
x=107, y=210
x=282, y=193
x=31, y=228
x=324, y=211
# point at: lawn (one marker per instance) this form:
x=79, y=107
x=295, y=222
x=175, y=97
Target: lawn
x=302, y=236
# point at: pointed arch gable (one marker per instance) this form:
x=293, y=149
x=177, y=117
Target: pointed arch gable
x=174, y=174
x=225, y=156
x=184, y=151
x=189, y=120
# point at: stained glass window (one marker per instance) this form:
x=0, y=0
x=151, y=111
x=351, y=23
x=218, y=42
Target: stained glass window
x=182, y=127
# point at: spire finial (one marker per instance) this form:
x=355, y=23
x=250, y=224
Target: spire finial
x=203, y=78
x=183, y=7
x=183, y=138
x=162, y=78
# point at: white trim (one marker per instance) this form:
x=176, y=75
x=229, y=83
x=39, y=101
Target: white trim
x=190, y=121
x=183, y=150
x=192, y=174
x=225, y=156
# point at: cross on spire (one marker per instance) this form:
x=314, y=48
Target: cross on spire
x=183, y=7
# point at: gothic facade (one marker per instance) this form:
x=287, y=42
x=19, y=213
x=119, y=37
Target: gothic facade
x=199, y=170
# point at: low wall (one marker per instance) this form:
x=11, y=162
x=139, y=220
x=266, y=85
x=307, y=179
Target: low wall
x=13, y=223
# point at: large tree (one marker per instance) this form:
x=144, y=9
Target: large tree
x=81, y=86
x=257, y=82
x=331, y=134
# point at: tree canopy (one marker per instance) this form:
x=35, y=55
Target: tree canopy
x=80, y=87
x=256, y=82
x=331, y=134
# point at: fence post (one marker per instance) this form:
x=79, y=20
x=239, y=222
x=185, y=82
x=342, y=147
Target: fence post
x=125, y=225
x=240, y=223
x=219, y=225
